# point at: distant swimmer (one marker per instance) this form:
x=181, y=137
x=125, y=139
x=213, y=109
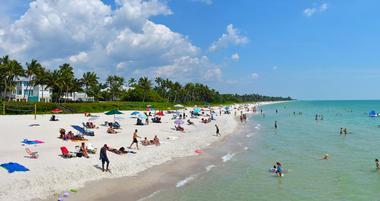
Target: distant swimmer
x=325, y=157
x=275, y=124
x=279, y=169
x=276, y=111
x=345, y=131
x=316, y=117
x=341, y=131
x=377, y=163
x=294, y=113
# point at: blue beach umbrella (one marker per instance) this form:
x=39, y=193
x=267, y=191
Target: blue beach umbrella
x=141, y=116
x=135, y=113
x=197, y=110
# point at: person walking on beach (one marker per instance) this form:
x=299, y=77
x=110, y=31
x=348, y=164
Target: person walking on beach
x=275, y=124
x=377, y=164
x=135, y=141
x=217, y=130
x=103, y=157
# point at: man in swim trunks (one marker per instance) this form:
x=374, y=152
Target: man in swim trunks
x=103, y=157
x=135, y=141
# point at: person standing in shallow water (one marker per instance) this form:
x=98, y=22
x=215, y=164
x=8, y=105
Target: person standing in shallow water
x=377, y=164
x=275, y=124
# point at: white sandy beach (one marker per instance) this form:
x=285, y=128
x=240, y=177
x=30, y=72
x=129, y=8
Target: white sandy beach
x=51, y=174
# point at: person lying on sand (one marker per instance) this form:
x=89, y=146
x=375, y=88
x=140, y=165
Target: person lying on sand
x=90, y=125
x=110, y=130
x=145, y=142
x=179, y=128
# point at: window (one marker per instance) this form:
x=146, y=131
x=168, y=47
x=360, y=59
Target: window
x=28, y=92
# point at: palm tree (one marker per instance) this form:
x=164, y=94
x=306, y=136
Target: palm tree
x=131, y=82
x=115, y=83
x=67, y=77
x=89, y=80
x=145, y=84
x=31, y=72
x=10, y=69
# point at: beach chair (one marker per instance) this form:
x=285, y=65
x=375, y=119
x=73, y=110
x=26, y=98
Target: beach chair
x=31, y=154
x=65, y=153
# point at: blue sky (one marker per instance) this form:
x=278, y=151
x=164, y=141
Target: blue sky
x=304, y=49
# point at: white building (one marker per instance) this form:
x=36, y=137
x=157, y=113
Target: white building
x=77, y=96
x=25, y=92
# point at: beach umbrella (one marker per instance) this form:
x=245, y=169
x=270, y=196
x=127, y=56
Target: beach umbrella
x=113, y=112
x=56, y=110
x=135, y=113
x=178, y=122
x=141, y=116
x=197, y=110
x=179, y=106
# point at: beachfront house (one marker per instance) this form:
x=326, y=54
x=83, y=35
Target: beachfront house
x=77, y=97
x=24, y=91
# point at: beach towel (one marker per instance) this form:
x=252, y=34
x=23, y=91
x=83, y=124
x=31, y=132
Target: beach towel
x=13, y=167
x=26, y=141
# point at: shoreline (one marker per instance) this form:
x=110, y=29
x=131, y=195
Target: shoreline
x=174, y=173
x=51, y=175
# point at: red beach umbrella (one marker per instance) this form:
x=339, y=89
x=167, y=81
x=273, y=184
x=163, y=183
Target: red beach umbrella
x=56, y=110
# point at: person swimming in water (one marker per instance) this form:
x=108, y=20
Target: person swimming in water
x=325, y=157
x=377, y=164
x=341, y=131
x=275, y=124
x=279, y=169
x=345, y=131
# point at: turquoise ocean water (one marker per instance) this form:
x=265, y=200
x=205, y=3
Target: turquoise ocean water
x=299, y=143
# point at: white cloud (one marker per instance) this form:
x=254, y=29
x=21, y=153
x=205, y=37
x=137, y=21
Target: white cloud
x=235, y=57
x=208, y=2
x=81, y=57
x=231, y=37
x=195, y=69
x=311, y=11
x=97, y=38
x=254, y=76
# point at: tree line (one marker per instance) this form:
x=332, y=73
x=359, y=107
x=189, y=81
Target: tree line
x=63, y=81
